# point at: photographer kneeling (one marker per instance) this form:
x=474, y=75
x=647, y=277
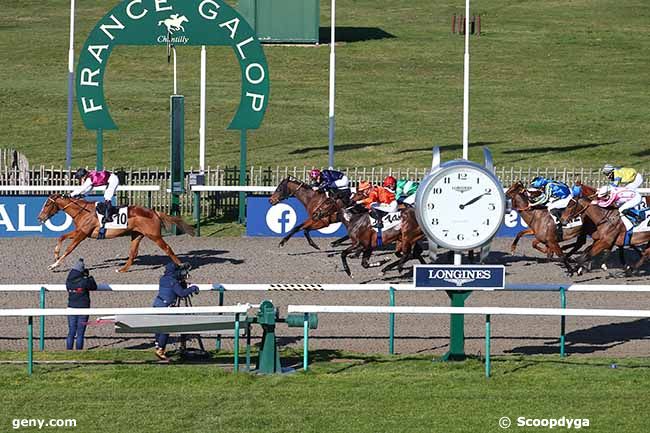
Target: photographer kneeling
x=173, y=285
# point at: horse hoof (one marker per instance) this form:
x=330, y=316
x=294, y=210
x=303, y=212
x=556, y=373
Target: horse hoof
x=579, y=271
x=604, y=267
x=53, y=266
x=281, y=244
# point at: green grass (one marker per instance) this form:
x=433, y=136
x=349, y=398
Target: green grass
x=342, y=393
x=554, y=83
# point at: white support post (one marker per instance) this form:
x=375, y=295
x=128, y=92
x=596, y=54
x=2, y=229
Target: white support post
x=332, y=85
x=466, y=86
x=202, y=115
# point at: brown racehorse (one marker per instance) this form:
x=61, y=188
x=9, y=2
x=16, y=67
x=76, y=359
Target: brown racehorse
x=321, y=209
x=610, y=231
x=364, y=237
x=542, y=226
x=142, y=223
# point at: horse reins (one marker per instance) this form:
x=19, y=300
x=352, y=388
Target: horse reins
x=72, y=201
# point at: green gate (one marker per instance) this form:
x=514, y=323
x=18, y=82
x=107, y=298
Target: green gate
x=294, y=21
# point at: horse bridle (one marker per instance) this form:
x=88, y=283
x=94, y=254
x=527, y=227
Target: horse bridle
x=72, y=201
x=285, y=189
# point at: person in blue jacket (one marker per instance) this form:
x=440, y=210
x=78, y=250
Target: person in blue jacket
x=78, y=284
x=172, y=286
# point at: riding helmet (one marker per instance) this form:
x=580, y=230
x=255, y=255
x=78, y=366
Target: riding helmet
x=390, y=182
x=608, y=168
x=364, y=185
x=603, y=191
x=537, y=182
x=314, y=173
x=81, y=173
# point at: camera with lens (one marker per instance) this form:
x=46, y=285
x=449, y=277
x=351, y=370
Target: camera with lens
x=183, y=272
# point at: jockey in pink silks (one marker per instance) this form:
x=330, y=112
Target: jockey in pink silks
x=626, y=200
x=92, y=179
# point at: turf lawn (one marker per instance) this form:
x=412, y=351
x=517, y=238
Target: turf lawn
x=342, y=393
x=554, y=83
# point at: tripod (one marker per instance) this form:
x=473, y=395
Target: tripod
x=187, y=302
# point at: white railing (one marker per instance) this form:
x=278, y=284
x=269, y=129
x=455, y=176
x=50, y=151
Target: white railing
x=55, y=188
x=486, y=311
x=568, y=287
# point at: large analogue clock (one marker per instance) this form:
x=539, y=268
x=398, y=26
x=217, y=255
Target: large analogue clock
x=460, y=205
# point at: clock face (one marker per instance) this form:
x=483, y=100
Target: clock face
x=461, y=206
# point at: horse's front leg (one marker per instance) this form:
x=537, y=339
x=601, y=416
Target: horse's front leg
x=292, y=232
x=513, y=247
x=80, y=236
x=59, y=243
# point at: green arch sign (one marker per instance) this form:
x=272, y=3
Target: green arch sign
x=186, y=22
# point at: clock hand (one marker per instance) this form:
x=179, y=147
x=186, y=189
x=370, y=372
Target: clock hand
x=474, y=200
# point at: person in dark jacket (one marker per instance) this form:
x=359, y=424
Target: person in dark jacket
x=173, y=285
x=78, y=284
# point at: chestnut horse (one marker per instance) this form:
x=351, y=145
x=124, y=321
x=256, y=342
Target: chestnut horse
x=610, y=231
x=542, y=226
x=321, y=209
x=141, y=222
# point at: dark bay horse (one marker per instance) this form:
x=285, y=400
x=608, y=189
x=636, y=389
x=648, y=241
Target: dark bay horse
x=364, y=238
x=142, y=222
x=542, y=226
x=321, y=209
x=610, y=231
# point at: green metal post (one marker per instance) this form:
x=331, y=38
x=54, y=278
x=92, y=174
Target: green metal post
x=236, y=344
x=562, y=321
x=487, y=345
x=30, y=345
x=305, y=347
x=242, y=176
x=149, y=200
x=197, y=212
x=100, y=150
x=41, y=336
x=248, y=346
x=456, y=327
x=391, y=323
x=221, y=291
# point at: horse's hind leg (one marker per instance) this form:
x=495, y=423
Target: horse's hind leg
x=643, y=258
x=310, y=241
x=133, y=251
x=344, y=258
x=166, y=248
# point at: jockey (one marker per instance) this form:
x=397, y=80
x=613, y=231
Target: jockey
x=331, y=181
x=555, y=196
x=623, y=176
x=625, y=199
x=95, y=178
x=405, y=191
x=381, y=200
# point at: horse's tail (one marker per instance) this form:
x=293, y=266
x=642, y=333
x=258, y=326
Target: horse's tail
x=169, y=220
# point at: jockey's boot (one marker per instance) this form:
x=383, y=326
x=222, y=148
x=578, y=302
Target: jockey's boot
x=557, y=213
x=108, y=211
x=633, y=216
x=378, y=215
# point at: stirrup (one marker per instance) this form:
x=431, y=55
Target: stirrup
x=102, y=233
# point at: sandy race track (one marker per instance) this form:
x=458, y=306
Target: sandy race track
x=257, y=260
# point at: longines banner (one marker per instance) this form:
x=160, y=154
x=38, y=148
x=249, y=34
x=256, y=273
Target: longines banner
x=484, y=277
x=181, y=22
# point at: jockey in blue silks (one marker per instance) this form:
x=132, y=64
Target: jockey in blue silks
x=555, y=195
x=331, y=181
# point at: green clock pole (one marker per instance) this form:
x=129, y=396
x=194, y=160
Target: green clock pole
x=456, y=350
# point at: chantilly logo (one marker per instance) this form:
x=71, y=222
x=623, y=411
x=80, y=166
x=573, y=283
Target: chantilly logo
x=459, y=277
x=174, y=24
x=462, y=189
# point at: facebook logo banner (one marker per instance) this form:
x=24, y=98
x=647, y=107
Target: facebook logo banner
x=262, y=219
x=512, y=224
x=19, y=217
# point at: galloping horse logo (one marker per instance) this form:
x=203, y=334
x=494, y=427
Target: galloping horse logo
x=174, y=23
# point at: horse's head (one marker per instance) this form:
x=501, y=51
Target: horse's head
x=572, y=210
x=285, y=189
x=50, y=207
x=516, y=188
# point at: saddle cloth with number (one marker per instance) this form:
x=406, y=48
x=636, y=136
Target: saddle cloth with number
x=392, y=220
x=120, y=216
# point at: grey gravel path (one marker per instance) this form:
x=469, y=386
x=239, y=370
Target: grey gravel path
x=256, y=260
